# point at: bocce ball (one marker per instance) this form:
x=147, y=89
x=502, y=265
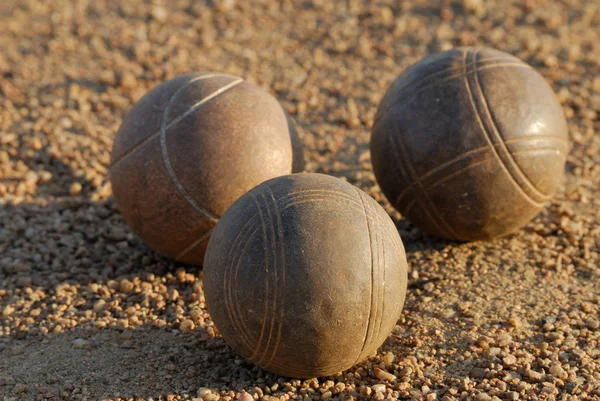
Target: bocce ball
x=188, y=149
x=305, y=275
x=469, y=144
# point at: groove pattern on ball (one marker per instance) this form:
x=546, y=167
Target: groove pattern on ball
x=267, y=269
x=188, y=149
x=469, y=144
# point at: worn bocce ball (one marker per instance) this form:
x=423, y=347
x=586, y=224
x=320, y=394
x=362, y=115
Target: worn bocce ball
x=469, y=144
x=305, y=275
x=188, y=149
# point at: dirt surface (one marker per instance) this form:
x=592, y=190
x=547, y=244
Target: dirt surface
x=88, y=312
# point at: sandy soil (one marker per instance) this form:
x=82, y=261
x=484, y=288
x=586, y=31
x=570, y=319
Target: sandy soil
x=88, y=312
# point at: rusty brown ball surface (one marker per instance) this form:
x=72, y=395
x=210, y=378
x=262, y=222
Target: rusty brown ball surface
x=305, y=275
x=188, y=149
x=469, y=144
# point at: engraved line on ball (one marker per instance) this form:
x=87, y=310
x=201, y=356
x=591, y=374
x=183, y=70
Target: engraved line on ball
x=406, y=100
x=377, y=267
x=384, y=279
x=292, y=197
x=388, y=225
x=157, y=133
x=276, y=267
x=320, y=199
x=397, y=157
x=275, y=302
x=229, y=276
x=411, y=176
x=266, y=275
x=540, y=150
x=403, y=101
x=329, y=199
x=163, y=143
x=398, y=161
x=497, y=141
x=440, y=180
x=498, y=134
x=556, y=143
x=283, y=268
x=473, y=152
x=452, y=69
x=242, y=239
x=382, y=267
x=433, y=208
x=392, y=232
x=227, y=272
x=369, y=238
x=194, y=244
x=489, y=140
x=484, y=157
x=434, y=170
x=446, y=178
x=200, y=103
x=544, y=137
x=239, y=315
x=340, y=198
x=393, y=240
x=306, y=191
x=341, y=201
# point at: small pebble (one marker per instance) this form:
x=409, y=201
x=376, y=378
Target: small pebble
x=244, y=396
x=80, y=343
x=478, y=373
x=31, y=178
x=99, y=305
x=383, y=375
x=512, y=396
x=8, y=310
x=503, y=339
x=75, y=189
x=388, y=358
x=126, y=286
x=160, y=13
x=187, y=325
x=19, y=388
x=558, y=372
x=128, y=80
x=378, y=388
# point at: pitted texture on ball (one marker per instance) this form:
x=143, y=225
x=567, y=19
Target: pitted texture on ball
x=469, y=144
x=188, y=149
x=305, y=275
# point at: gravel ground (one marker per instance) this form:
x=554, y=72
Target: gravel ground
x=88, y=312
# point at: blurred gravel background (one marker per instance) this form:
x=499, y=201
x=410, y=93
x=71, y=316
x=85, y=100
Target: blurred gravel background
x=88, y=312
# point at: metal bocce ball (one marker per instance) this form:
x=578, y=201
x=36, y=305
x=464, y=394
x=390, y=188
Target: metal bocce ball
x=188, y=149
x=305, y=275
x=469, y=144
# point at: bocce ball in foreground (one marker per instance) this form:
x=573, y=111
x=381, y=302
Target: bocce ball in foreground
x=188, y=149
x=305, y=275
x=469, y=144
